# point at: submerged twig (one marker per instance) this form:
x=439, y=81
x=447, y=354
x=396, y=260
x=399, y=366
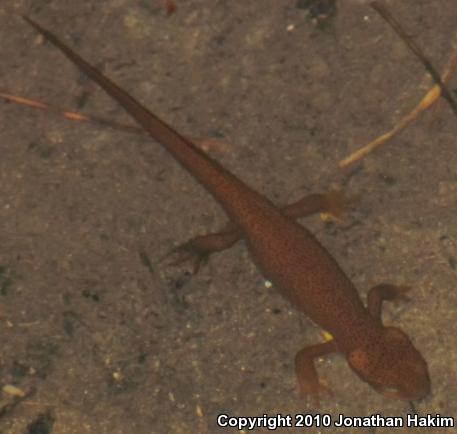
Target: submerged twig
x=70, y=115
x=203, y=143
x=431, y=97
x=416, y=50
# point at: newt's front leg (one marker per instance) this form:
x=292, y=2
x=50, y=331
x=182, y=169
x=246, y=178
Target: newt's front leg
x=198, y=249
x=308, y=380
x=384, y=291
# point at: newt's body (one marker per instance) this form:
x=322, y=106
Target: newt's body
x=297, y=264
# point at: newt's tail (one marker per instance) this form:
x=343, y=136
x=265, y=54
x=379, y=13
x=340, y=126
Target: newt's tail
x=236, y=197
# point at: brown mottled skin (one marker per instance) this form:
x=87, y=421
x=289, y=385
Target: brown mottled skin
x=296, y=263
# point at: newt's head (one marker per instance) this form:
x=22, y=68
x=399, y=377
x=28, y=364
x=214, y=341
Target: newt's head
x=392, y=366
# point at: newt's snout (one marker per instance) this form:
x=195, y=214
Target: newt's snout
x=392, y=366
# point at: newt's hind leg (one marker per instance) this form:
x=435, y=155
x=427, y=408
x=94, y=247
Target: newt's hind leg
x=333, y=202
x=384, y=291
x=198, y=249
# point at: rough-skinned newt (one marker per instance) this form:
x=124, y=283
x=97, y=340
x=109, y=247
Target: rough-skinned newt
x=292, y=258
